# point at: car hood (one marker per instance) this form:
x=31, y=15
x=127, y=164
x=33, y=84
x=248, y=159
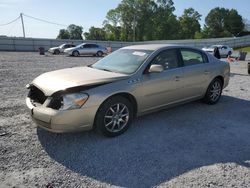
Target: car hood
x=54, y=48
x=208, y=49
x=59, y=80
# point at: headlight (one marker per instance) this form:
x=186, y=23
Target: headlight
x=73, y=101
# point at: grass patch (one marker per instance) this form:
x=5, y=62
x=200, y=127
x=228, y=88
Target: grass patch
x=244, y=49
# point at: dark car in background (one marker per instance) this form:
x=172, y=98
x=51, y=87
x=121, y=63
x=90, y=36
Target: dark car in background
x=60, y=49
x=87, y=49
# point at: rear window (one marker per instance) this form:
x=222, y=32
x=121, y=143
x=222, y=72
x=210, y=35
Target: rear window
x=193, y=57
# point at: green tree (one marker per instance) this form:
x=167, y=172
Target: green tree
x=165, y=22
x=223, y=22
x=63, y=34
x=234, y=23
x=95, y=34
x=189, y=24
x=75, y=31
x=142, y=20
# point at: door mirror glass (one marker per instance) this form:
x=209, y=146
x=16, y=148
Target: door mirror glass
x=155, y=68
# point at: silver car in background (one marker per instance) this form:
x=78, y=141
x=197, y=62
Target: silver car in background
x=129, y=82
x=60, y=49
x=87, y=49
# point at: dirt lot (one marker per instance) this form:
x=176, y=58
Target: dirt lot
x=194, y=145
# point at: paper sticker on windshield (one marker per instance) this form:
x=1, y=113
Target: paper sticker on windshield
x=139, y=53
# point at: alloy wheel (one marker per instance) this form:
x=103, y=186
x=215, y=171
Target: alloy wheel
x=116, y=117
x=215, y=91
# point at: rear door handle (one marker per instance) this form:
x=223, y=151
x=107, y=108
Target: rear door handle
x=206, y=72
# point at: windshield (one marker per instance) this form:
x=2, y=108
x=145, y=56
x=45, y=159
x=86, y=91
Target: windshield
x=61, y=46
x=125, y=61
x=78, y=46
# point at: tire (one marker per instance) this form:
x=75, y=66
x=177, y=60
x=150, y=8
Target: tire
x=229, y=53
x=114, y=116
x=99, y=54
x=75, y=53
x=56, y=52
x=214, y=91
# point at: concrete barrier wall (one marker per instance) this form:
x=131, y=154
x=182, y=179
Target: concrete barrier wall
x=32, y=44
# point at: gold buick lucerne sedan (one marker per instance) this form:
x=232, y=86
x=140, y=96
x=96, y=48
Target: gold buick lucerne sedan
x=130, y=82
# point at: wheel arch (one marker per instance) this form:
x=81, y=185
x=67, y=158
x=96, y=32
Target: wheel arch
x=126, y=95
x=221, y=78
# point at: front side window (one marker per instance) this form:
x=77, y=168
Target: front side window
x=125, y=61
x=168, y=59
x=191, y=57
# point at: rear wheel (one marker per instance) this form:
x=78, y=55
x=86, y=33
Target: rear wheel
x=56, y=52
x=99, y=53
x=75, y=54
x=114, y=116
x=214, y=91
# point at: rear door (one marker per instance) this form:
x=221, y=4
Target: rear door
x=196, y=73
x=94, y=48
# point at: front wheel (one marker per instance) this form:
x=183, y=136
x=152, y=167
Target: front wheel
x=99, y=53
x=114, y=116
x=214, y=91
x=56, y=52
x=75, y=54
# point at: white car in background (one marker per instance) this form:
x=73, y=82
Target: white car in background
x=60, y=49
x=224, y=49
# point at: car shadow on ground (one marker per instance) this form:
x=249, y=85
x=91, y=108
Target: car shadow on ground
x=159, y=146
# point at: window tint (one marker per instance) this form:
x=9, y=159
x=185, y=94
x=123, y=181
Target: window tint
x=87, y=46
x=168, y=59
x=93, y=46
x=191, y=57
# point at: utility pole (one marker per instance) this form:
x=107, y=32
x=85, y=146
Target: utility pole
x=21, y=15
x=134, y=28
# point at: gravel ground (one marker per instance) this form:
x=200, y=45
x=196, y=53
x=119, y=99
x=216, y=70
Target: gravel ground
x=193, y=145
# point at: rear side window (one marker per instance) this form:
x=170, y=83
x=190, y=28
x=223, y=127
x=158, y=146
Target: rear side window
x=168, y=59
x=93, y=46
x=192, y=57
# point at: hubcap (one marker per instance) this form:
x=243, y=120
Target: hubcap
x=215, y=91
x=116, y=117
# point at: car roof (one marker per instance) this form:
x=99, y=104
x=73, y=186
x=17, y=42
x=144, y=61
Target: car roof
x=155, y=47
x=219, y=45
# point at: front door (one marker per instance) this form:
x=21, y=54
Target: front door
x=160, y=89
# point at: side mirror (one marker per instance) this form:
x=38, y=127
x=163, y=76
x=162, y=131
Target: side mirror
x=156, y=69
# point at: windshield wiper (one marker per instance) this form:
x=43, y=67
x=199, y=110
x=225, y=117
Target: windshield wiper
x=106, y=70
